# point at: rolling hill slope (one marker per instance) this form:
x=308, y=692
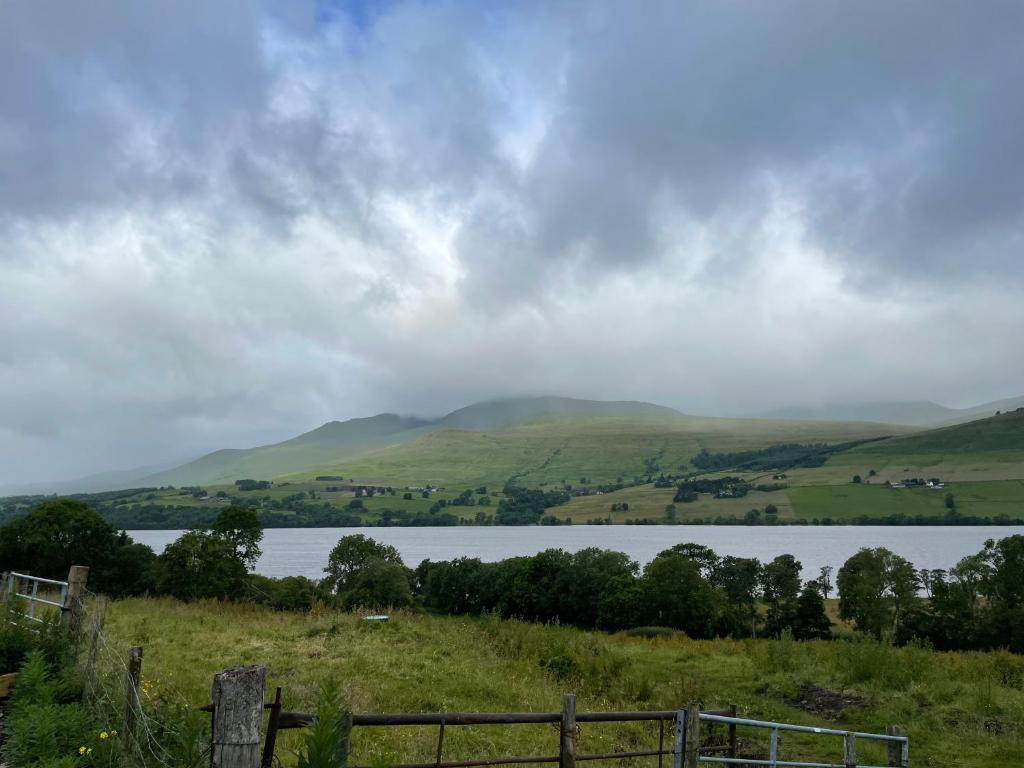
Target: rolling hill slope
x=993, y=434
x=331, y=442
x=535, y=440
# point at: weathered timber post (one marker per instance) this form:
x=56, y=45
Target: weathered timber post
x=567, y=749
x=733, y=745
x=237, y=714
x=691, y=747
x=75, y=602
x=896, y=748
x=133, y=706
x=850, y=750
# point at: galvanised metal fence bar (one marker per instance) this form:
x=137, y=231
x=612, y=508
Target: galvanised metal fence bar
x=689, y=756
x=32, y=596
x=71, y=604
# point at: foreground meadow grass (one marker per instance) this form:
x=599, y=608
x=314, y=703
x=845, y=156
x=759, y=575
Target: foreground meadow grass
x=959, y=709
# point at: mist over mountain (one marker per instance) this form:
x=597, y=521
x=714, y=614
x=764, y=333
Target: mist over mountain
x=921, y=413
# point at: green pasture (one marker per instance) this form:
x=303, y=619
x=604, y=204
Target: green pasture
x=841, y=502
x=960, y=710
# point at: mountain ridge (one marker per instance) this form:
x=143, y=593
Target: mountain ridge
x=914, y=413
x=361, y=440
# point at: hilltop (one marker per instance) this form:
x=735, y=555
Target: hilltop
x=536, y=440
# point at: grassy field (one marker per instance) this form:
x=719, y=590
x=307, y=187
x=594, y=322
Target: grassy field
x=962, y=710
x=842, y=502
x=646, y=501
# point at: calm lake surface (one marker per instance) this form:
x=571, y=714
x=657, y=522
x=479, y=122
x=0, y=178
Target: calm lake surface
x=303, y=551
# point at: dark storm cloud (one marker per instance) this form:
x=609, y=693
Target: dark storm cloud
x=898, y=126
x=223, y=223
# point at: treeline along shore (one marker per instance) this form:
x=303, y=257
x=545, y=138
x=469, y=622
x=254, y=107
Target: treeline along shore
x=977, y=603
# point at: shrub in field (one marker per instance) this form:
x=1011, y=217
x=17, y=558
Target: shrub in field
x=40, y=730
x=325, y=740
x=17, y=640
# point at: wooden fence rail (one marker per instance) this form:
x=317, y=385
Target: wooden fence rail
x=236, y=731
x=238, y=705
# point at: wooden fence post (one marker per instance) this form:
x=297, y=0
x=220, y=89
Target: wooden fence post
x=567, y=750
x=733, y=743
x=895, y=747
x=237, y=715
x=691, y=749
x=850, y=750
x=75, y=604
x=133, y=706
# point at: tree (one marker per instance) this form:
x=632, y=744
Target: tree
x=950, y=502
x=780, y=581
x=856, y=478
x=740, y=578
x=378, y=584
x=620, y=605
x=241, y=526
x=200, y=564
x=350, y=555
x=825, y=580
x=810, y=621
x=590, y=574
x=876, y=588
x=705, y=557
x=675, y=594
x=59, y=533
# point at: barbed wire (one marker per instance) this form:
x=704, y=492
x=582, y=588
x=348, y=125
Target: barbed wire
x=110, y=693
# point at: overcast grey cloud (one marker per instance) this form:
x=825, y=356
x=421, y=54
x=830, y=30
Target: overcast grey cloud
x=224, y=223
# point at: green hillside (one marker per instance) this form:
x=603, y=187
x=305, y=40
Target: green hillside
x=331, y=442
x=557, y=450
x=536, y=440
x=1004, y=432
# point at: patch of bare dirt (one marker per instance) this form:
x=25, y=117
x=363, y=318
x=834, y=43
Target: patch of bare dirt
x=821, y=701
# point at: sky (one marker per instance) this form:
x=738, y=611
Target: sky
x=222, y=224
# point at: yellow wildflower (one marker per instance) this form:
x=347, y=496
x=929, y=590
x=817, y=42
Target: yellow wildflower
x=104, y=735
x=113, y=733
x=81, y=750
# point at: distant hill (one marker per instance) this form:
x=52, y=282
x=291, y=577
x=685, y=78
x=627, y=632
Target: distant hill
x=504, y=413
x=532, y=439
x=993, y=434
x=917, y=413
x=101, y=481
x=334, y=441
